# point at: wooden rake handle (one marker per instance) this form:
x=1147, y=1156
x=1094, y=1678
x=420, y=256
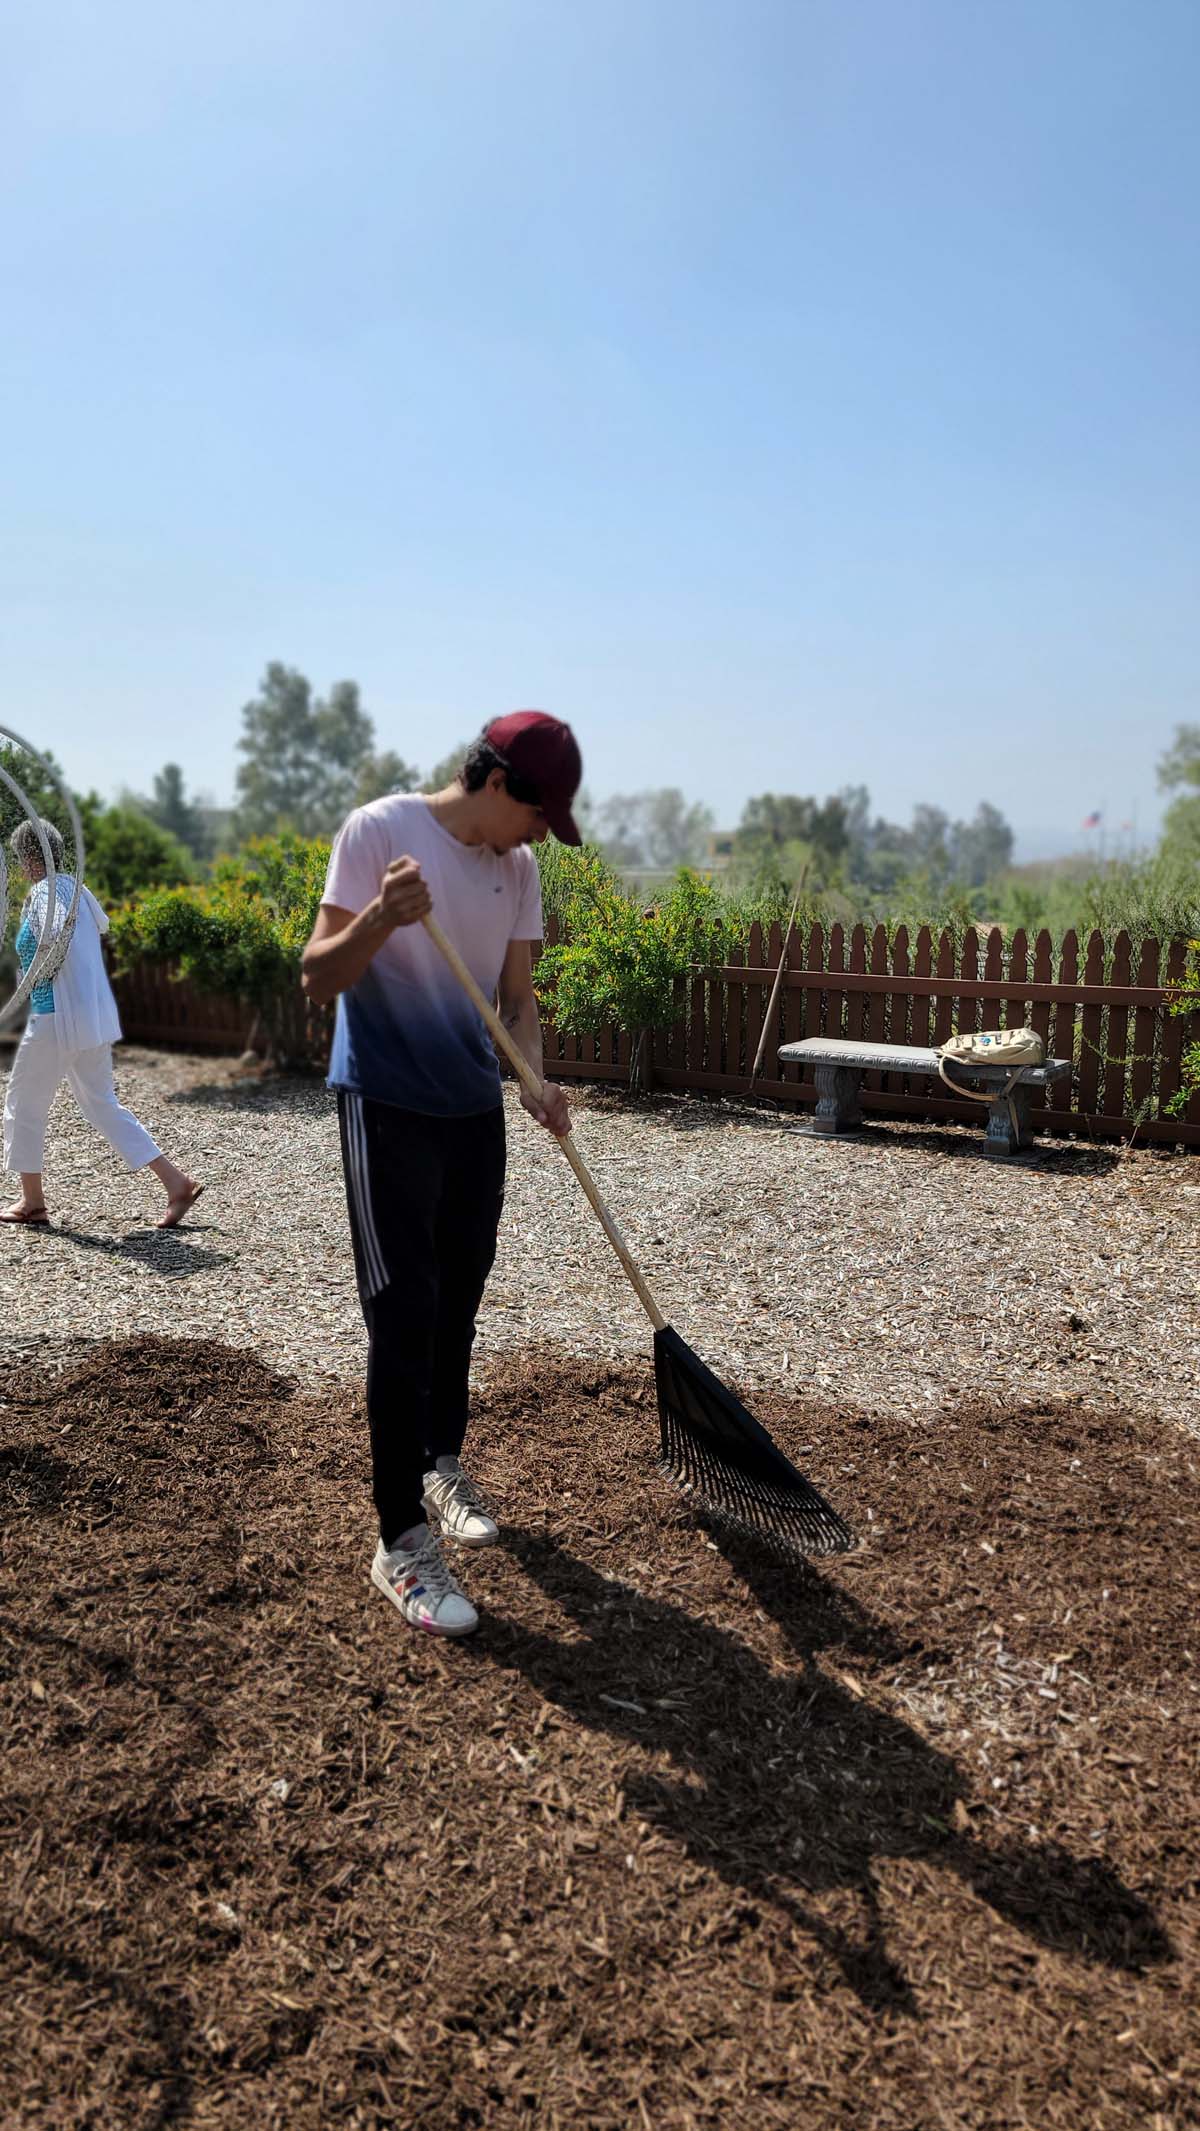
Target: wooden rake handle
x=529, y=1079
x=769, y=1016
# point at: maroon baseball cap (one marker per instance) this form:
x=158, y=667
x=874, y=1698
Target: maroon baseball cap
x=543, y=752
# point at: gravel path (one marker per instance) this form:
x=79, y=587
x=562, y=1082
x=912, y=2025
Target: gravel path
x=888, y=1271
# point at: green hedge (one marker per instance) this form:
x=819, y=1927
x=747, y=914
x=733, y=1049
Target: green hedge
x=241, y=934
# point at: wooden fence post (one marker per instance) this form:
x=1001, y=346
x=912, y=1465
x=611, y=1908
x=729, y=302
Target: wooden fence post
x=1116, y=1036
x=1090, y=1046
x=1064, y=1022
x=993, y=971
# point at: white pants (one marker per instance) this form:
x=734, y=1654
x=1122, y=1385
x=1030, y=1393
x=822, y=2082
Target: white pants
x=39, y=1068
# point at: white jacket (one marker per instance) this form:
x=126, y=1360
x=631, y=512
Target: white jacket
x=85, y=1011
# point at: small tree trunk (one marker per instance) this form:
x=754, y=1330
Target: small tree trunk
x=286, y=1029
x=641, y=1063
x=251, y=1056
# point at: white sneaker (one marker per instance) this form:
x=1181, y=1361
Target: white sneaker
x=420, y=1585
x=457, y=1505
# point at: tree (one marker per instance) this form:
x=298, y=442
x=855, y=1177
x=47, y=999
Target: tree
x=583, y=808
x=1181, y=830
x=1181, y=822
x=855, y=802
x=618, y=832
x=981, y=848
x=242, y=934
x=676, y=833
x=345, y=737
x=381, y=774
x=928, y=841
x=657, y=828
x=174, y=812
x=127, y=853
x=795, y=831
x=617, y=963
x=445, y=771
x=887, y=858
x=932, y=851
x=40, y=789
x=1181, y=763
x=307, y=757
x=282, y=780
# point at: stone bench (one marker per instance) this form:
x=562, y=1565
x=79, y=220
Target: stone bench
x=838, y=1068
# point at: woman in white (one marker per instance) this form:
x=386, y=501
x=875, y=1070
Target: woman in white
x=72, y=1027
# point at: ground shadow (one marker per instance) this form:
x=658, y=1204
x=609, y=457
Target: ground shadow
x=167, y=1251
x=274, y=1093
x=149, y=1826
x=166, y=2028
x=951, y=1141
x=952, y=1138
x=1073, y=1905
x=695, y=1110
x=34, y=1482
x=795, y=1785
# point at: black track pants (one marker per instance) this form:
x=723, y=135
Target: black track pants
x=425, y=1195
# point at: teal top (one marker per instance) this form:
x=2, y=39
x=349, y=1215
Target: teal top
x=41, y=999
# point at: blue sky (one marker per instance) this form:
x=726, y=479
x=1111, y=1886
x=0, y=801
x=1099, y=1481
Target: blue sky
x=791, y=393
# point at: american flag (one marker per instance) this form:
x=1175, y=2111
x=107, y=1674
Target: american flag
x=1091, y=821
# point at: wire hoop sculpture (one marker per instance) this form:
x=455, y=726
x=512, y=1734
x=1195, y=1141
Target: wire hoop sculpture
x=55, y=936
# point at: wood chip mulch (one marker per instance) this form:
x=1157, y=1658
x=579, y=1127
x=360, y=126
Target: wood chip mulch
x=681, y=1838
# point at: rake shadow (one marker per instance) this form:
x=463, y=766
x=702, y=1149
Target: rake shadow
x=804, y=1787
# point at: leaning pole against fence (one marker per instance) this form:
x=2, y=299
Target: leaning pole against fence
x=55, y=937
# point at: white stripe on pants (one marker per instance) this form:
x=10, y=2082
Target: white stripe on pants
x=39, y=1068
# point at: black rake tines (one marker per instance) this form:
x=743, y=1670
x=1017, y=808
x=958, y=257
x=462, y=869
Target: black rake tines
x=716, y=1451
x=724, y=1459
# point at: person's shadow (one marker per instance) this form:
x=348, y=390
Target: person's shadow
x=165, y=1251
x=803, y=1785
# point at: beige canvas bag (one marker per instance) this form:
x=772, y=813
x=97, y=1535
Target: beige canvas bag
x=1017, y=1048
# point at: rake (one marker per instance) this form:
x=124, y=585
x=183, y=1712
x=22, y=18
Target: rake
x=711, y=1447
x=769, y=1016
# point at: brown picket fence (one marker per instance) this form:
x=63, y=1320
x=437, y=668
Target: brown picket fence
x=1108, y=1016
x=1096, y=1008
x=158, y=1008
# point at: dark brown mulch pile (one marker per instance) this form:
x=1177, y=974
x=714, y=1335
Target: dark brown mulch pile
x=679, y=1839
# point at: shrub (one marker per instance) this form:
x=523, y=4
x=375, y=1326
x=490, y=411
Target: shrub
x=241, y=934
x=126, y=853
x=1187, y=1001
x=619, y=963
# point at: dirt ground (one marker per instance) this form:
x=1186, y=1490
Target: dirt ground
x=681, y=1838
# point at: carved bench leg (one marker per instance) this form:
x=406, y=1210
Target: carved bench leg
x=1001, y=1137
x=838, y=1108
x=1023, y=1098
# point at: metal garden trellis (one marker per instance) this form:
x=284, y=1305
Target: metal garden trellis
x=54, y=939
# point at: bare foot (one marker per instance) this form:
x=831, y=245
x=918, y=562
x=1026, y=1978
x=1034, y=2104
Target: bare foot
x=179, y=1203
x=25, y=1216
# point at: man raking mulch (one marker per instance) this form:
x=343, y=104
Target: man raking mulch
x=422, y=1129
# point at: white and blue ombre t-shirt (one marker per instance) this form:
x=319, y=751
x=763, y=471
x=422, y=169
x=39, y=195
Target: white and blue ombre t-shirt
x=407, y=1033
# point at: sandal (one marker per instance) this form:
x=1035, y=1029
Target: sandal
x=26, y=1217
